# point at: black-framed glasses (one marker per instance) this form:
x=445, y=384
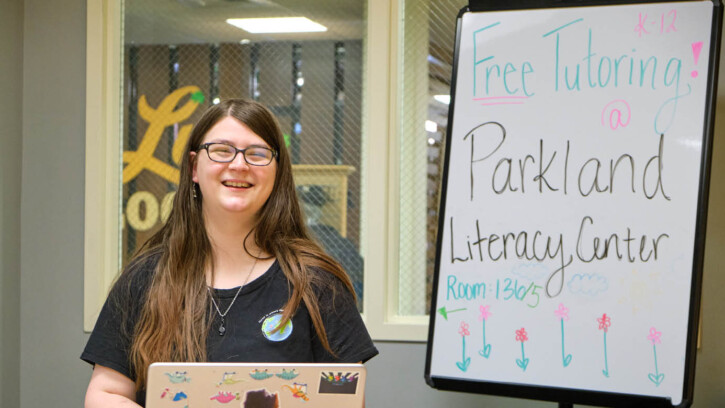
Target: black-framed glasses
x=225, y=153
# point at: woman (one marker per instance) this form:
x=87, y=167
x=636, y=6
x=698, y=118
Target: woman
x=232, y=276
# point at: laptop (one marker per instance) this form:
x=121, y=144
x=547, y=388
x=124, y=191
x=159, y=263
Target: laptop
x=255, y=385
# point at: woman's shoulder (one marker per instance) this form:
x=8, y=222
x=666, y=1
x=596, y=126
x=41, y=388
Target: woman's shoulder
x=320, y=274
x=326, y=282
x=324, y=276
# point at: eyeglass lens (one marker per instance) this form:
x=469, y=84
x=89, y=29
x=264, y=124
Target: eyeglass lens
x=225, y=153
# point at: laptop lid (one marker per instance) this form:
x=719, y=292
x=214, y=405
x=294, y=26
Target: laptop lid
x=255, y=385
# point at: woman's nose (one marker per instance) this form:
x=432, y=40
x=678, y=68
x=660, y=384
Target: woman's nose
x=239, y=161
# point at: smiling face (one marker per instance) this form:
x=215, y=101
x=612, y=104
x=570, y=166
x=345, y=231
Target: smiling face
x=235, y=187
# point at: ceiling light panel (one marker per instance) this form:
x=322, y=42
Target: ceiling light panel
x=277, y=25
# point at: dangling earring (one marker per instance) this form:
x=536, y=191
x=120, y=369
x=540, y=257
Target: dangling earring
x=193, y=190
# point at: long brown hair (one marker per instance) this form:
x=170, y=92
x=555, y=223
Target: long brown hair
x=174, y=320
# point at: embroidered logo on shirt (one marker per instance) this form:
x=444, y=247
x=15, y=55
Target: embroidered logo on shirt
x=270, y=324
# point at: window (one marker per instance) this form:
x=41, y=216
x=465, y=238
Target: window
x=182, y=56
x=353, y=103
x=426, y=39
x=421, y=34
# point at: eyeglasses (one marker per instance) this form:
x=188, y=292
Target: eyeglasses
x=224, y=153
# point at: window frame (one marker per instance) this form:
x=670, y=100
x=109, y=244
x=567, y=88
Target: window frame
x=380, y=128
x=101, y=261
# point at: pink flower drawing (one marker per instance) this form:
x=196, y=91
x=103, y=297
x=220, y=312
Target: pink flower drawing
x=562, y=312
x=521, y=335
x=604, y=322
x=485, y=314
x=654, y=336
x=463, y=330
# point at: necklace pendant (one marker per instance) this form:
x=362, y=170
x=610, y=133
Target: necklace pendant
x=222, y=329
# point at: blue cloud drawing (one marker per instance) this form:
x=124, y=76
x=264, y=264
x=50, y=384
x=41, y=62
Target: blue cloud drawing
x=588, y=284
x=532, y=271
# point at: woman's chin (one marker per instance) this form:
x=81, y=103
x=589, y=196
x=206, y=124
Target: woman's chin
x=237, y=209
x=240, y=208
x=233, y=208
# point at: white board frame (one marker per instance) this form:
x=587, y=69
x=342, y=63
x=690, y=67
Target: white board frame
x=572, y=395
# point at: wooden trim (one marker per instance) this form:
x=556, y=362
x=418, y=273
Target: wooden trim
x=103, y=84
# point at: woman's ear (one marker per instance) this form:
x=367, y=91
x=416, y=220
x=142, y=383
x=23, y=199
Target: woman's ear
x=192, y=163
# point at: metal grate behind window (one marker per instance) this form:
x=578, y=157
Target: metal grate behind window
x=181, y=52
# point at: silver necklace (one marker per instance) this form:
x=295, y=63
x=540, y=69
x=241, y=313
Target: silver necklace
x=223, y=329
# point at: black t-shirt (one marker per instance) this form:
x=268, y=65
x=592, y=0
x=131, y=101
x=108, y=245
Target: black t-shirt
x=249, y=335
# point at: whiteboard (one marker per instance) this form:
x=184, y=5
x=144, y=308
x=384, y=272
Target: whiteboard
x=576, y=154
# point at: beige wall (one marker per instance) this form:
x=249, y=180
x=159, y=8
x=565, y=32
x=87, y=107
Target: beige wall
x=41, y=247
x=710, y=373
x=51, y=216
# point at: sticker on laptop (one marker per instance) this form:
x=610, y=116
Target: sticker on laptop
x=173, y=395
x=178, y=377
x=298, y=391
x=229, y=379
x=225, y=397
x=260, y=375
x=338, y=383
x=260, y=399
x=288, y=374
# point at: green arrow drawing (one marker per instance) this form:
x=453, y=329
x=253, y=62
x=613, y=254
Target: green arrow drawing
x=445, y=312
